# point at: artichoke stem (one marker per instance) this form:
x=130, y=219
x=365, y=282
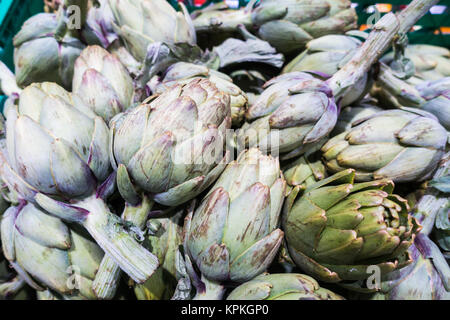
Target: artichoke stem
x=107, y=279
x=376, y=44
x=108, y=275
x=109, y=232
x=213, y=291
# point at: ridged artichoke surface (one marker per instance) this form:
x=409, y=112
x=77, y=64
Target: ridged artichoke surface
x=338, y=228
x=172, y=147
x=401, y=145
x=281, y=286
x=233, y=235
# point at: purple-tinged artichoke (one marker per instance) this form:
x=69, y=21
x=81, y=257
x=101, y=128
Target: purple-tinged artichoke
x=57, y=156
x=45, y=51
x=282, y=286
x=327, y=55
x=172, y=146
x=233, y=235
x=183, y=72
x=47, y=253
x=98, y=28
x=140, y=23
x=293, y=111
x=102, y=82
x=286, y=24
x=427, y=278
x=337, y=229
x=401, y=145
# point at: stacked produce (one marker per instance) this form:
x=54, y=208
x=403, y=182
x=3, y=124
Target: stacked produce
x=266, y=153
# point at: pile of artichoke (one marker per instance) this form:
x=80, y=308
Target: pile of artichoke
x=151, y=153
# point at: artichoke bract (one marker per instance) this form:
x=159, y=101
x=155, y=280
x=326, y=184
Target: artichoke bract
x=351, y=114
x=102, y=82
x=98, y=28
x=294, y=110
x=57, y=152
x=427, y=278
x=233, y=234
x=49, y=254
x=183, y=72
x=143, y=22
x=45, y=51
x=402, y=145
x=287, y=24
x=281, y=286
x=335, y=232
x=173, y=146
x=327, y=55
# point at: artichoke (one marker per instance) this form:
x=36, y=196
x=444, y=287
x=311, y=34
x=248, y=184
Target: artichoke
x=335, y=232
x=327, y=55
x=293, y=111
x=140, y=23
x=431, y=96
x=102, y=82
x=402, y=145
x=287, y=25
x=233, y=234
x=427, y=278
x=183, y=72
x=172, y=147
x=304, y=171
x=57, y=152
x=352, y=114
x=281, y=286
x=45, y=51
x=47, y=253
x=430, y=62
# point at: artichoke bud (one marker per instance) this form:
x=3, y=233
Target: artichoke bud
x=281, y=286
x=294, y=110
x=178, y=142
x=401, y=145
x=340, y=230
x=45, y=51
x=427, y=278
x=48, y=253
x=183, y=72
x=143, y=22
x=102, y=82
x=234, y=235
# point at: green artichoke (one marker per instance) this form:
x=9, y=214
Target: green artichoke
x=431, y=96
x=402, y=145
x=354, y=113
x=140, y=23
x=102, y=82
x=45, y=51
x=327, y=55
x=293, y=111
x=233, y=235
x=304, y=171
x=335, y=232
x=172, y=147
x=427, y=278
x=183, y=72
x=287, y=24
x=47, y=253
x=57, y=152
x=282, y=286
